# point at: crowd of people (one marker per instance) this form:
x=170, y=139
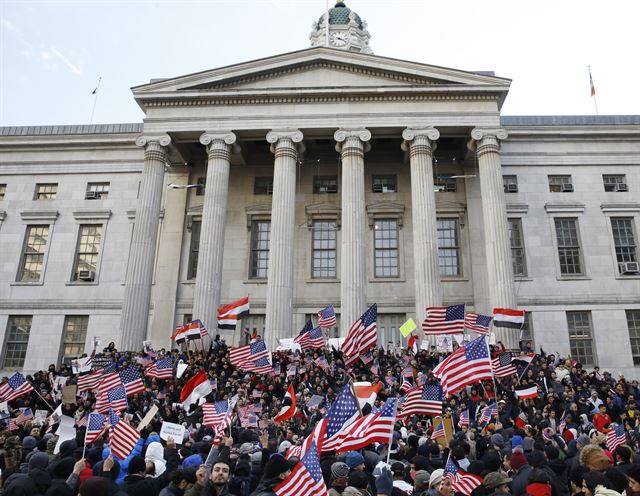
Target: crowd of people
x=553, y=444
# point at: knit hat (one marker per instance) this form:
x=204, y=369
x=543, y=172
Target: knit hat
x=275, y=466
x=354, y=459
x=435, y=478
x=516, y=441
x=284, y=446
x=359, y=480
x=339, y=470
x=583, y=440
x=420, y=479
x=28, y=443
x=518, y=461
x=39, y=460
x=246, y=448
x=547, y=434
x=527, y=444
x=498, y=440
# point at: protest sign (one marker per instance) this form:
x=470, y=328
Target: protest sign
x=288, y=344
x=181, y=367
x=169, y=429
x=444, y=343
x=69, y=395
x=148, y=417
x=40, y=417
x=407, y=328
x=66, y=431
x=81, y=365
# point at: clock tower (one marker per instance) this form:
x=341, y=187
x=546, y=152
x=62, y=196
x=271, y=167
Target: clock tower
x=341, y=28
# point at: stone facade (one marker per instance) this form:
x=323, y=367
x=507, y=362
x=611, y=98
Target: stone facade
x=426, y=197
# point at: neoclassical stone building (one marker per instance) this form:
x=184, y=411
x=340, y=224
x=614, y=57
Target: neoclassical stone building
x=324, y=176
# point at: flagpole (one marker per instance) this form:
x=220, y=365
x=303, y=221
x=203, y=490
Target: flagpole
x=50, y=407
x=593, y=91
x=521, y=375
x=395, y=414
x=95, y=99
x=493, y=377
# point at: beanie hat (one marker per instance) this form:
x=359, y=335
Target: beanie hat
x=518, y=461
x=547, y=434
x=28, y=443
x=39, y=460
x=354, y=459
x=284, y=446
x=275, y=466
x=583, y=440
x=436, y=477
x=527, y=444
x=421, y=478
x=339, y=470
x=516, y=441
x=498, y=440
x=359, y=480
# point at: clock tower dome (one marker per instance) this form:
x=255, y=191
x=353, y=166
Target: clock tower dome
x=341, y=28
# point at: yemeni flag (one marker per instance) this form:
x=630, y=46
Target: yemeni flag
x=412, y=344
x=526, y=392
x=508, y=317
x=525, y=358
x=197, y=387
x=288, y=406
x=228, y=315
x=366, y=395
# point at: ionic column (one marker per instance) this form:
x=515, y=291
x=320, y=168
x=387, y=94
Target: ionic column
x=206, y=296
x=496, y=233
x=352, y=144
x=278, y=321
x=137, y=292
x=420, y=143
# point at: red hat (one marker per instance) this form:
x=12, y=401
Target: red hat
x=518, y=460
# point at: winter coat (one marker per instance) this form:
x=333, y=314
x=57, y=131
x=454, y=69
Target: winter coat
x=138, y=485
x=171, y=490
x=124, y=464
x=265, y=488
x=520, y=481
x=603, y=491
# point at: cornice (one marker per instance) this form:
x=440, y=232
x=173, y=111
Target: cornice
x=92, y=215
x=39, y=215
x=74, y=305
x=564, y=208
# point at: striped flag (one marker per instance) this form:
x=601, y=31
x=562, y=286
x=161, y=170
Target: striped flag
x=311, y=339
x=464, y=419
x=466, y=365
x=372, y=428
x=228, y=315
x=526, y=391
x=123, y=439
x=189, y=331
x=15, y=387
x=322, y=363
x=82, y=422
x=305, y=479
x=288, y=408
x=117, y=399
x=27, y=414
x=12, y=425
x=131, y=381
x=562, y=425
x=327, y=317
x=90, y=381
x=407, y=384
x=508, y=317
x=260, y=366
x=444, y=320
x=344, y=410
x=362, y=335
x=423, y=401
x=438, y=432
x=488, y=412
x=95, y=427
x=478, y=323
x=616, y=437
x=252, y=351
x=316, y=436
x=110, y=379
x=502, y=366
x=102, y=402
x=161, y=369
x=216, y=414
x=462, y=482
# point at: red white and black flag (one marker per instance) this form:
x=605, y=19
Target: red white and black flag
x=288, y=409
x=228, y=315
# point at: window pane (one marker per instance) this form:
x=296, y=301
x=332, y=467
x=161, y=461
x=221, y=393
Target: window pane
x=249, y=325
x=15, y=349
x=193, y=253
x=633, y=323
x=325, y=184
x=259, y=260
x=88, y=250
x=517, y=247
x=385, y=242
x=75, y=335
x=384, y=184
x=46, y=191
x=580, y=337
x=556, y=182
x=263, y=186
x=33, y=254
x=324, y=248
x=568, y=246
x=624, y=240
x=448, y=249
x=97, y=191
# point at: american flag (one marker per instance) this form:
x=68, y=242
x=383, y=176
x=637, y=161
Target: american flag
x=438, y=432
x=462, y=482
x=15, y=387
x=82, y=421
x=444, y=320
x=502, y=366
x=260, y=366
x=89, y=381
x=305, y=479
x=464, y=419
x=110, y=380
x=362, y=335
x=251, y=351
x=216, y=413
x=423, y=401
x=322, y=363
x=344, y=410
x=123, y=439
x=12, y=425
x=102, y=402
x=312, y=338
x=131, y=381
x=372, y=428
x=95, y=427
x=24, y=416
x=316, y=436
x=478, y=323
x=161, y=369
x=616, y=437
x=327, y=317
x=488, y=412
x=466, y=365
x=562, y=425
x=117, y=399
x=407, y=384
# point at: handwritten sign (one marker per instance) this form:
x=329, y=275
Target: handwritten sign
x=66, y=431
x=169, y=429
x=69, y=395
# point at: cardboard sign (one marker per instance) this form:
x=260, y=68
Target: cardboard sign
x=148, y=417
x=407, y=328
x=69, y=395
x=4, y=408
x=448, y=430
x=169, y=429
x=315, y=401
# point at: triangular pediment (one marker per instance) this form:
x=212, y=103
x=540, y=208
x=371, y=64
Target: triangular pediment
x=319, y=70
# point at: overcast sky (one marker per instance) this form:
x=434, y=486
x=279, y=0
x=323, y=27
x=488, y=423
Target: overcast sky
x=53, y=52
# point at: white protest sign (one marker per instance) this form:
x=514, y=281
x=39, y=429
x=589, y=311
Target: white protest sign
x=180, y=369
x=169, y=429
x=66, y=431
x=444, y=343
x=4, y=407
x=40, y=417
x=336, y=343
x=81, y=365
x=288, y=344
x=148, y=417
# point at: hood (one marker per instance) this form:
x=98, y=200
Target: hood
x=155, y=454
x=19, y=485
x=603, y=491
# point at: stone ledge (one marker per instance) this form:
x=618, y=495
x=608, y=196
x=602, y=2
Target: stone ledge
x=620, y=207
x=39, y=215
x=102, y=214
x=564, y=208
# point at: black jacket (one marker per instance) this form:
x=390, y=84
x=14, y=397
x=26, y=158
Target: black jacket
x=265, y=488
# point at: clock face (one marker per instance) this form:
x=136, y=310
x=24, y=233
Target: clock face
x=339, y=39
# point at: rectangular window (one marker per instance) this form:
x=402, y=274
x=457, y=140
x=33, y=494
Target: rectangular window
x=324, y=248
x=193, y=249
x=445, y=183
x=384, y=184
x=15, y=347
x=75, y=335
x=568, y=246
x=510, y=184
x=97, y=191
x=560, y=184
x=325, y=184
x=251, y=324
x=46, y=191
x=633, y=323
x=625, y=242
x=615, y=182
x=581, y=337
x=263, y=186
x=35, y=245
x=202, y=184
x=448, y=247
x=87, y=254
x=3, y=190
x=517, y=247
x=386, y=248
x=259, y=260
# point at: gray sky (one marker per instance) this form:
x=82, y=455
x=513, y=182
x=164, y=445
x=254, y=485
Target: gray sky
x=52, y=52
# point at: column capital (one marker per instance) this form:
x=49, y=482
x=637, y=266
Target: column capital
x=226, y=137
x=362, y=134
x=479, y=133
x=412, y=133
x=161, y=140
x=276, y=135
